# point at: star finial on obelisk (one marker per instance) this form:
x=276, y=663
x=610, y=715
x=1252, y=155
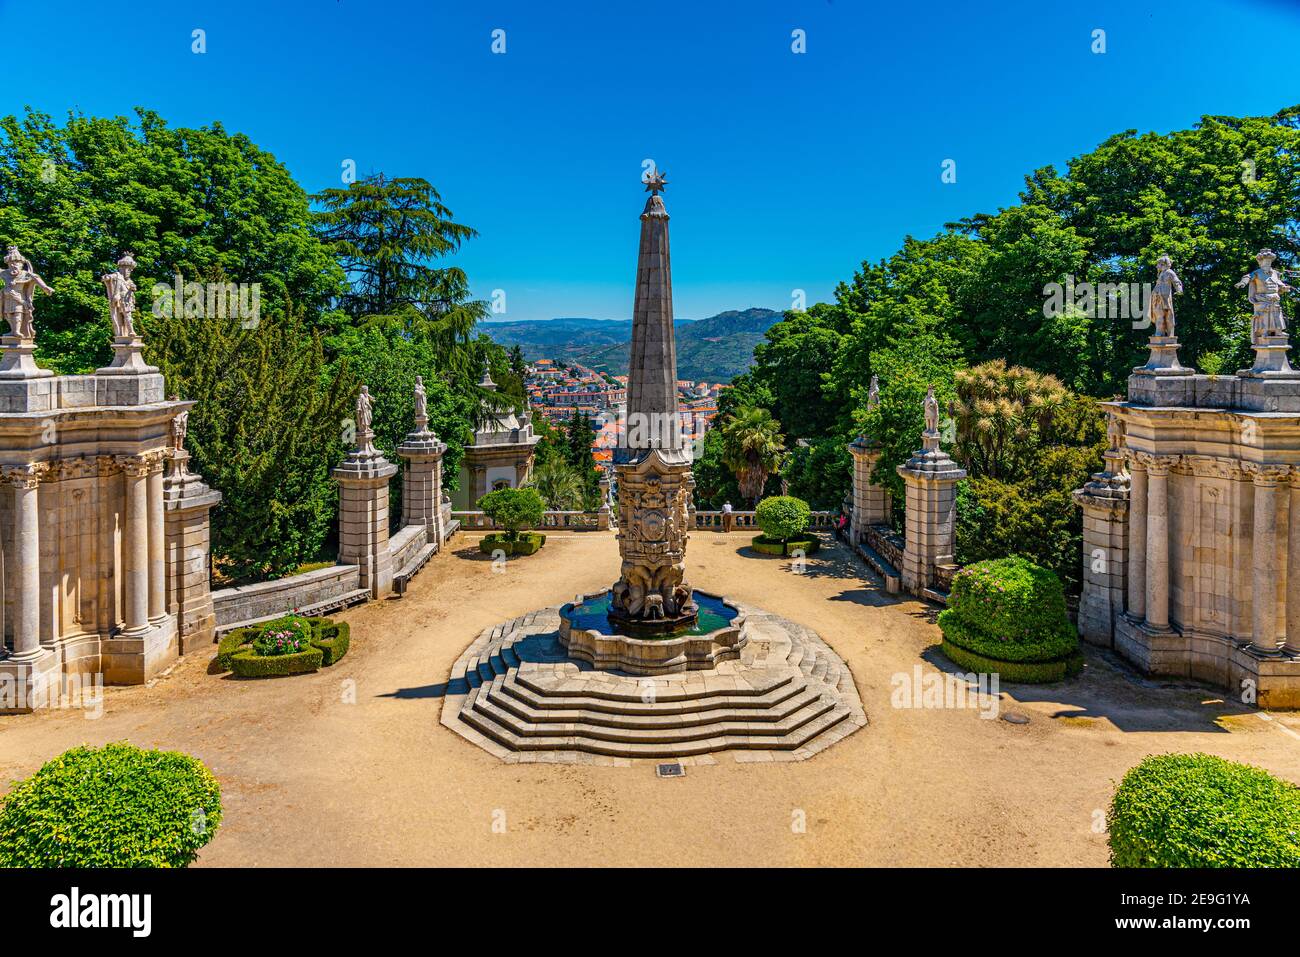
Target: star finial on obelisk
x=655, y=182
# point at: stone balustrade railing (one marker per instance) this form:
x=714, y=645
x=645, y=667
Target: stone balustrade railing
x=713, y=520
x=577, y=521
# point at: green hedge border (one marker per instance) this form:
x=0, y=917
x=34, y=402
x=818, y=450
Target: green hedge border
x=330, y=641
x=528, y=543
x=1027, y=672
x=766, y=546
x=1051, y=648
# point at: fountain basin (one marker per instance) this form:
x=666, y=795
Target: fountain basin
x=716, y=634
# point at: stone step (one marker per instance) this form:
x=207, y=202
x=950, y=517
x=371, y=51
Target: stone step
x=664, y=690
x=726, y=727
x=649, y=720
x=514, y=688
x=805, y=736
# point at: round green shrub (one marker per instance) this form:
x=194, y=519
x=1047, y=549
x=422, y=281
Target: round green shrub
x=1027, y=672
x=1049, y=647
x=1197, y=810
x=115, y=806
x=782, y=516
x=1009, y=599
x=513, y=509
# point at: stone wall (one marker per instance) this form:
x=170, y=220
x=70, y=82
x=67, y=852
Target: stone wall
x=312, y=592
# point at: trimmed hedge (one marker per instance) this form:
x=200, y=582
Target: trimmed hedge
x=1010, y=599
x=1029, y=672
x=526, y=544
x=115, y=806
x=331, y=637
x=1197, y=810
x=775, y=546
x=330, y=641
x=249, y=664
x=1008, y=616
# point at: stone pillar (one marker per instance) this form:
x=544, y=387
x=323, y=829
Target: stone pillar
x=1293, y=568
x=1105, y=504
x=363, y=514
x=1137, y=538
x=1158, y=541
x=422, y=481
x=187, y=503
x=135, y=545
x=157, y=543
x=24, y=562
x=931, y=478
x=871, y=502
x=1263, y=600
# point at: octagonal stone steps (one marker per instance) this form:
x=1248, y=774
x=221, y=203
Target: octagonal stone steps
x=514, y=692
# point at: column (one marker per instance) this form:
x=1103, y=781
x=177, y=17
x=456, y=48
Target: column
x=1263, y=601
x=135, y=547
x=157, y=543
x=24, y=565
x=1137, y=538
x=930, y=477
x=1293, y=568
x=1158, y=542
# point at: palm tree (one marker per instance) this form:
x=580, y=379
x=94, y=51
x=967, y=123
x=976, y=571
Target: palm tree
x=559, y=484
x=1001, y=412
x=753, y=448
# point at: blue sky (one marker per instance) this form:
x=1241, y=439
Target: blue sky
x=785, y=170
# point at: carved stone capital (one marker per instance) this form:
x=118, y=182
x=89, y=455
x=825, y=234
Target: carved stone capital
x=1265, y=474
x=24, y=476
x=1156, y=464
x=1207, y=466
x=135, y=466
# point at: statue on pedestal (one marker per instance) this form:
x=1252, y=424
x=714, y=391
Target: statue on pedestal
x=121, y=297
x=873, y=393
x=931, y=412
x=180, y=425
x=1160, y=309
x=1264, y=287
x=365, y=416
x=16, y=301
x=421, y=402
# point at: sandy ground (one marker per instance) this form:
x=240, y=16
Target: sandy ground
x=350, y=766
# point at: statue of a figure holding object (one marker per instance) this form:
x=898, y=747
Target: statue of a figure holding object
x=1264, y=288
x=1160, y=309
x=20, y=280
x=121, y=297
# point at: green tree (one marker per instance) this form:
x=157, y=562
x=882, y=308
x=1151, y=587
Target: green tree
x=391, y=236
x=753, y=448
x=1000, y=413
x=202, y=203
x=559, y=485
x=266, y=430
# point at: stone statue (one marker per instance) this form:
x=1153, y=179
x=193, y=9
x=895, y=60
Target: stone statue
x=16, y=301
x=121, y=297
x=1114, y=431
x=931, y=412
x=873, y=393
x=1160, y=309
x=421, y=400
x=180, y=425
x=1264, y=288
x=365, y=412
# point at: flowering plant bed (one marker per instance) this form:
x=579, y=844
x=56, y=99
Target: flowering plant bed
x=287, y=646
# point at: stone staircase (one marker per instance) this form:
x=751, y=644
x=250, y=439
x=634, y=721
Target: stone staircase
x=516, y=693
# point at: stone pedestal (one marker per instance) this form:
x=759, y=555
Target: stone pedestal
x=1163, y=360
x=871, y=502
x=16, y=359
x=422, y=481
x=363, y=515
x=187, y=502
x=931, y=478
x=1271, y=360
x=1105, y=504
x=128, y=358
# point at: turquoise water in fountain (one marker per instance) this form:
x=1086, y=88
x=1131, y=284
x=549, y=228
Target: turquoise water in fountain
x=594, y=613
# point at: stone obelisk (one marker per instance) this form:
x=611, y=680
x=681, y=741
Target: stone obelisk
x=652, y=596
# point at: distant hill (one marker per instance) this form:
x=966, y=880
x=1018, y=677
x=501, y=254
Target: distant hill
x=709, y=350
